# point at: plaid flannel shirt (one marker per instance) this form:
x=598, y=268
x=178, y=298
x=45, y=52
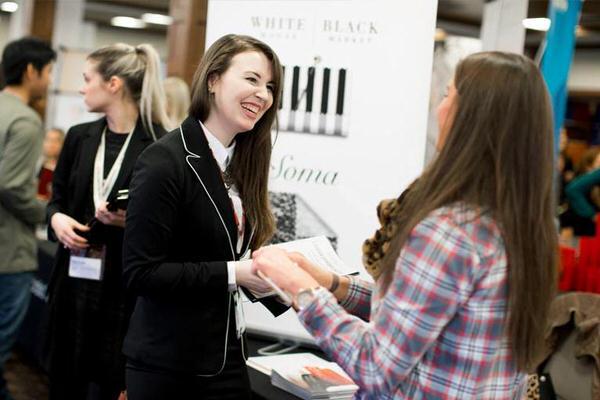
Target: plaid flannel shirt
x=438, y=332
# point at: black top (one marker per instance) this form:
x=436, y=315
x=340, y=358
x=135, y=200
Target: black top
x=114, y=144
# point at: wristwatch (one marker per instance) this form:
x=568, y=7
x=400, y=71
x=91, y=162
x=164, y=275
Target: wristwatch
x=305, y=296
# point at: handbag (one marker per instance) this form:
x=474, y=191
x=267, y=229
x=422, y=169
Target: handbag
x=539, y=385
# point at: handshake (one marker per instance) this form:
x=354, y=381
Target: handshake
x=274, y=270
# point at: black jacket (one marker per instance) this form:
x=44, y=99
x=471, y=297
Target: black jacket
x=179, y=235
x=72, y=179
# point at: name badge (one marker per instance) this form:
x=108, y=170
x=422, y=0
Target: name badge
x=87, y=264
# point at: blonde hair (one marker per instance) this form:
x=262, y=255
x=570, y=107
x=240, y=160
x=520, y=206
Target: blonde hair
x=177, y=93
x=139, y=68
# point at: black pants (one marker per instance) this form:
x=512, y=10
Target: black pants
x=76, y=389
x=145, y=384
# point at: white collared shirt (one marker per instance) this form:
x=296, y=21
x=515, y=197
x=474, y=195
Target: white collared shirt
x=223, y=155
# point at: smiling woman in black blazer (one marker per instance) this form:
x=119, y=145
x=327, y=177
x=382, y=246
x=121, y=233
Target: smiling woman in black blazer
x=198, y=204
x=88, y=317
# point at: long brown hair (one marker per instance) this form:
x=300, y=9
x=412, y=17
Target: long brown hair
x=498, y=158
x=252, y=157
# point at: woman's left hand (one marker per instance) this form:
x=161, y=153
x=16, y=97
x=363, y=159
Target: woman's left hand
x=276, y=264
x=116, y=218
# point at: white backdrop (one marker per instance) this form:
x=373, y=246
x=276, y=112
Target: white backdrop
x=337, y=177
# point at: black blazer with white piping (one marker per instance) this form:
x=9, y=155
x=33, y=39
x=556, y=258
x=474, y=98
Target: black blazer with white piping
x=179, y=235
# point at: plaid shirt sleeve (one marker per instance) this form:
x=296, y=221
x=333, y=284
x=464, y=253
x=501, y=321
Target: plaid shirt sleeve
x=431, y=279
x=358, y=298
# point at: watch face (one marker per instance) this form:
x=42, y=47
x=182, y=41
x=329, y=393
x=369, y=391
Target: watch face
x=304, y=297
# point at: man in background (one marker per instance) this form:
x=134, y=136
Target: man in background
x=26, y=67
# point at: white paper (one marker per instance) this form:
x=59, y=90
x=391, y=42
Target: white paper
x=318, y=250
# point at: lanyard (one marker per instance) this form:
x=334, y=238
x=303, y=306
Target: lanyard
x=103, y=187
x=238, y=215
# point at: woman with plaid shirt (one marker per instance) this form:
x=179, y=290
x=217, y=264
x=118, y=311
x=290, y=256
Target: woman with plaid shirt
x=465, y=262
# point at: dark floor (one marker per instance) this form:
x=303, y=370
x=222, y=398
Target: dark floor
x=26, y=381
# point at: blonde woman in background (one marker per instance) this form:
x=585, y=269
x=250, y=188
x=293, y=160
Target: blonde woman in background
x=89, y=312
x=178, y=99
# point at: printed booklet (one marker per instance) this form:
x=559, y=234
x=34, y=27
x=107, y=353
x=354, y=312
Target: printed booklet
x=306, y=376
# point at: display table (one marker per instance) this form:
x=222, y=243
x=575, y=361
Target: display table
x=261, y=383
x=31, y=337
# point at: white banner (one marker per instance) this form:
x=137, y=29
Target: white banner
x=353, y=117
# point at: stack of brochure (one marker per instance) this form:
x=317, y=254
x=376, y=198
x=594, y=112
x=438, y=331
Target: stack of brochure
x=306, y=376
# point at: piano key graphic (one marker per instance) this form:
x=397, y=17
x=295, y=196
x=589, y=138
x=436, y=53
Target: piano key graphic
x=324, y=100
x=339, y=107
x=280, y=105
x=282, y=87
x=301, y=101
x=315, y=100
x=294, y=99
x=283, y=113
x=310, y=84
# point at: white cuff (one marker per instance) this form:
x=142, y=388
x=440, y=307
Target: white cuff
x=231, y=275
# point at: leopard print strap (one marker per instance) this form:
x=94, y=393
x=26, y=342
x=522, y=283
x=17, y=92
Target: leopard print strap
x=533, y=387
x=375, y=248
x=390, y=213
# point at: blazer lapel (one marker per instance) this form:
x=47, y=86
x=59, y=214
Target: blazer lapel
x=248, y=235
x=89, y=148
x=201, y=160
x=139, y=141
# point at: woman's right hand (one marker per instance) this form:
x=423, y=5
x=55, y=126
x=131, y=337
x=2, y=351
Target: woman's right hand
x=245, y=277
x=64, y=228
x=321, y=275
